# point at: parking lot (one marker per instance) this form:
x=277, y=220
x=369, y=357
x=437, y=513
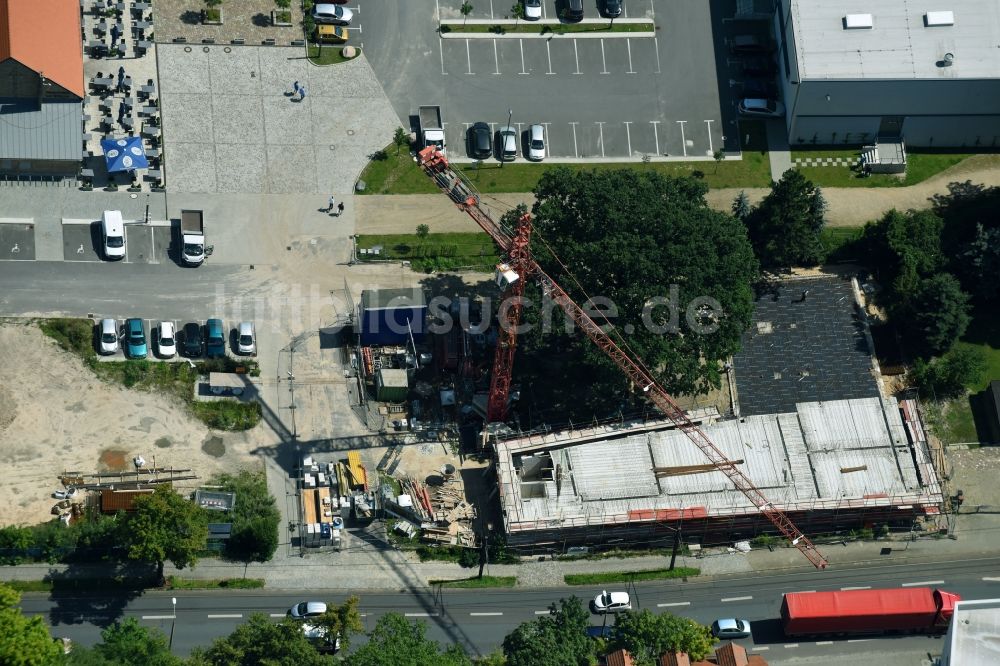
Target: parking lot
x=152, y=329
x=17, y=240
x=144, y=244
x=614, y=96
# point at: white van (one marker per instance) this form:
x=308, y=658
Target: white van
x=113, y=232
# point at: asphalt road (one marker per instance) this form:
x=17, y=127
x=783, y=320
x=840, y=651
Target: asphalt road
x=608, y=98
x=479, y=619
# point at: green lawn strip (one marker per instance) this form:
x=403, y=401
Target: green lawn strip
x=77, y=585
x=176, y=583
x=920, y=165
x=629, y=576
x=390, y=172
x=534, y=28
x=29, y=585
x=441, y=251
x=840, y=243
x=329, y=55
x=173, y=378
x=474, y=583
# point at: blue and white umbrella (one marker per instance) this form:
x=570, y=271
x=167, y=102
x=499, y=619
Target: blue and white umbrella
x=124, y=154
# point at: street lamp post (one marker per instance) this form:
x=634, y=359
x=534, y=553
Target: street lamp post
x=173, y=621
x=503, y=158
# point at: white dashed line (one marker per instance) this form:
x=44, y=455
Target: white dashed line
x=993, y=579
x=484, y=614
x=277, y=615
x=824, y=642
x=736, y=599
x=544, y=612
x=858, y=640
x=803, y=592
x=420, y=614
x=859, y=587
x=923, y=582
x=675, y=603
x=759, y=648
x=791, y=645
x=157, y=617
x=225, y=616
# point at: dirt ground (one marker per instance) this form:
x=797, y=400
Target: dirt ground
x=56, y=416
x=975, y=473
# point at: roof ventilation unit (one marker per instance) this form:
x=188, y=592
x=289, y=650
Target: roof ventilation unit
x=935, y=19
x=858, y=21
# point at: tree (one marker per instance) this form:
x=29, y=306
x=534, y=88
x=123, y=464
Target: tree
x=718, y=156
x=978, y=264
x=395, y=640
x=517, y=11
x=258, y=641
x=937, y=315
x=343, y=621
x=255, y=517
x=23, y=641
x=283, y=4
x=904, y=248
x=466, y=9
x=650, y=245
x=166, y=526
x=400, y=138
x=949, y=376
x=557, y=639
x=785, y=228
x=647, y=635
x=127, y=643
x=742, y=206
x=422, y=231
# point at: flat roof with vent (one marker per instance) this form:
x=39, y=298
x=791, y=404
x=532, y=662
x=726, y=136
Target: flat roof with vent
x=895, y=39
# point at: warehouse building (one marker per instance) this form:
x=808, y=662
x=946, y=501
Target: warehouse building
x=895, y=71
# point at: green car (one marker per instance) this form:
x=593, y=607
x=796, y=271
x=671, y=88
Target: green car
x=215, y=343
x=135, y=339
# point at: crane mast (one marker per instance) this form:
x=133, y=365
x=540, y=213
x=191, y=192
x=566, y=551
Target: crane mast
x=521, y=264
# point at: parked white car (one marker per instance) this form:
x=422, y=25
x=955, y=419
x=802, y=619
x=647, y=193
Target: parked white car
x=751, y=106
x=611, y=602
x=536, y=143
x=113, y=234
x=246, y=339
x=332, y=14
x=166, y=340
x=532, y=9
x=107, y=337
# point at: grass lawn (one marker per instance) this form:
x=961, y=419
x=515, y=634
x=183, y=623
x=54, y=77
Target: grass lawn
x=628, y=576
x=839, y=243
x=561, y=29
x=474, y=583
x=435, y=252
x=921, y=165
x=389, y=173
x=175, y=583
x=330, y=54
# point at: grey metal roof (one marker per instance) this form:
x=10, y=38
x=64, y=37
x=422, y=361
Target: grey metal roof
x=899, y=45
x=803, y=350
x=52, y=132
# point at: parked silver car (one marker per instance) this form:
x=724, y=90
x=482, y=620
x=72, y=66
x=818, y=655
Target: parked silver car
x=107, y=337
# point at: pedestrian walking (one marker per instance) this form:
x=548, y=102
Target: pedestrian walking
x=302, y=93
x=295, y=89
x=340, y=209
x=333, y=202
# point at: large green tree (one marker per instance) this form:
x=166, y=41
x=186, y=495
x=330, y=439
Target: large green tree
x=785, y=228
x=937, y=314
x=903, y=249
x=647, y=635
x=261, y=642
x=23, y=641
x=127, y=643
x=166, y=526
x=950, y=375
x=343, y=621
x=651, y=246
x=255, y=516
x=397, y=641
x=557, y=639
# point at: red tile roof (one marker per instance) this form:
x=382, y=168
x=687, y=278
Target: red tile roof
x=619, y=658
x=675, y=659
x=731, y=654
x=44, y=35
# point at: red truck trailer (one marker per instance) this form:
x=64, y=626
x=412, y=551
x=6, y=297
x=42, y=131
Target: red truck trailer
x=901, y=610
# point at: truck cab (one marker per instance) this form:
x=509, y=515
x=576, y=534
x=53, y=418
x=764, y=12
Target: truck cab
x=192, y=237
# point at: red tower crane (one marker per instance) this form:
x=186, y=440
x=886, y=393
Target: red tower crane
x=521, y=264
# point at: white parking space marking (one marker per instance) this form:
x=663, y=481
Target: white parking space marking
x=708, y=123
x=656, y=50
x=496, y=58
x=576, y=54
x=441, y=53
x=683, y=141
x=736, y=599
x=628, y=44
x=521, y=44
x=468, y=58
x=922, y=583
x=484, y=614
x=675, y=603
x=576, y=151
x=656, y=134
x=628, y=136
x=225, y=616
x=859, y=587
x=600, y=128
x=604, y=60
x=548, y=52
x=491, y=9
x=548, y=141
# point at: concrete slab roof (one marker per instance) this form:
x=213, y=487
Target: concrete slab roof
x=899, y=44
x=806, y=344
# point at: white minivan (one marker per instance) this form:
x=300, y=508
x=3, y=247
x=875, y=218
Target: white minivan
x=113, y=233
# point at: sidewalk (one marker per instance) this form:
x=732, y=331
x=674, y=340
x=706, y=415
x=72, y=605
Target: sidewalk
x=369, y=569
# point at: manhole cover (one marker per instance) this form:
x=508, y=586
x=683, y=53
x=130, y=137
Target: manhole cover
x=333, y=148
x=350, y=132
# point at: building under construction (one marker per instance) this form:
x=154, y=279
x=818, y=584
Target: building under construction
x=809, y=423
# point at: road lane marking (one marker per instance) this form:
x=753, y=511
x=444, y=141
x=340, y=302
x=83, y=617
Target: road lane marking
x=991, y=578
x=468, y=58
x=824, y=642
x=277, y=615
x=157, y=617
x=225, y=616
x=736, y=599
x=791, y=645
x=683, y=140
x=859, y=587
x=604, y=60
x=600, y=127
x=628, y=136
x=496, y=58
x=921, y=583
x=674, y=603
x=521, y=43
x=628, y=45
x=484, y=614
x=656, y=134
x=803, y=592
x=709, y=128
x=548, y=51
x=576, y=54
x=858, y=640
x=420, y=614
x=759, y=648
x=544, y=612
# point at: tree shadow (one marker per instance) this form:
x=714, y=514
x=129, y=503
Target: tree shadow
x=261, y=20
x=191, y=17
x=984, y=417
x=96, y=595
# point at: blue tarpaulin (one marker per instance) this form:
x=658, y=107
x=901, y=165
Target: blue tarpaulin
x=125, y=154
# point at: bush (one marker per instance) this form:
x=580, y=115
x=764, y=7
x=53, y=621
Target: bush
x=255, y=517
x=951, y=374
x=74, y=335
x=227, y=415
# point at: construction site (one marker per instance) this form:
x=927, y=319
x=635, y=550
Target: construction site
x=803, y=437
